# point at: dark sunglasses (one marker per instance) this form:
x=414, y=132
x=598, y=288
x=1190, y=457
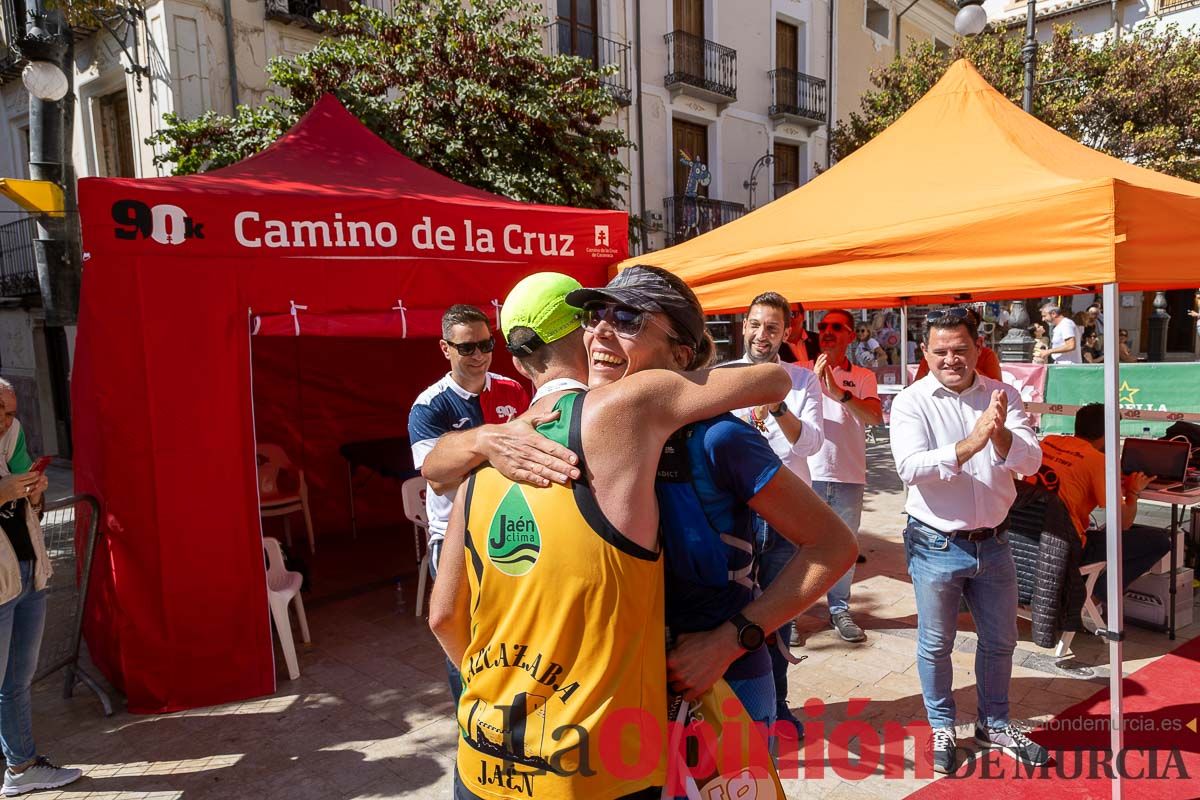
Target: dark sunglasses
x=625, y=321
x=949, y=313
x=469, y=348
x=836, y=327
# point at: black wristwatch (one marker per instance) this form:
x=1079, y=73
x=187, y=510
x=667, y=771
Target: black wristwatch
x=846, y=395
x=780, y=411
x=750, y=635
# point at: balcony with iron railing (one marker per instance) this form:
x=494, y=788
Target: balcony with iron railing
x=701, y=68
x=797, y=97
x=302, y=11
x=688, y=217
x=18, y=266
x=571, y=40
x=1171, y=6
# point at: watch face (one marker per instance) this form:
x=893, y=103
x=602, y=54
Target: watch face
x=751, y=637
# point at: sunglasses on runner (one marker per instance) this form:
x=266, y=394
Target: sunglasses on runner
x=625, y=321
x=836, y=327
x=469, y=348
x=949, y=313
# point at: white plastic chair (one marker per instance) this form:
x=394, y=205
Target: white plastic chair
x=272, y=502
x=283, y=587
x=413, y=493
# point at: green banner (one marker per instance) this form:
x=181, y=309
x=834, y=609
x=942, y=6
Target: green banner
x=1147, y=387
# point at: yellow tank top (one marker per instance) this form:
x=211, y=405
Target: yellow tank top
x=567, y=646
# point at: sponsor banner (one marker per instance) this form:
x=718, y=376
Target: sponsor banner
x=1028, y=379
x=359, y=229
x=1167, y=389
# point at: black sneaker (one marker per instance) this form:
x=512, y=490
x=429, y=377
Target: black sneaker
x=945, y=751
x=784, y=715
x=1012, y=741
x=846, y=627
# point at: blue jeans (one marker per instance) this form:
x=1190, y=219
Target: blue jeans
x=22, y=621
x=774, y=554
x=846, y=500
x=453, y=676
x=944, y=570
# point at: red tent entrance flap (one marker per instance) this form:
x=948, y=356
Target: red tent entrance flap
x=400, y=323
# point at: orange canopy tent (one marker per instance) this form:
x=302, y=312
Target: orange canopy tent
x=964, y=197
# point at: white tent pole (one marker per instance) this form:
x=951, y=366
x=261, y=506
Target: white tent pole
x=904, y=345
x=1112, y=522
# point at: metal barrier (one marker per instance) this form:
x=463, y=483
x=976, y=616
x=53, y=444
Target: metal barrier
x=67, y=525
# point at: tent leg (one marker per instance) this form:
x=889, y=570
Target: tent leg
x=904, y=345
x=1112, y=519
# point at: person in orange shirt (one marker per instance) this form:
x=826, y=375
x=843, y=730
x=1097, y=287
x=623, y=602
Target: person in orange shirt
x=1073, y=466
x=988, y=364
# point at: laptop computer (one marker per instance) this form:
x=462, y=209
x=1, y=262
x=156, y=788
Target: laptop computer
x=1164, y=460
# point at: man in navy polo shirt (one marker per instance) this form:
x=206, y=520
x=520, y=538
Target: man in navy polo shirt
x=466, y=397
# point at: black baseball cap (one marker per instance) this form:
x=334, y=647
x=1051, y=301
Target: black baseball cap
x=647, y=289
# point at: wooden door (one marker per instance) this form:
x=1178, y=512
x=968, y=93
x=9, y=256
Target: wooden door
x=692, y=139
x=689, y=17
x=689, y=38
x=787, y=168
x=116, y=136
x=577, y=25
x=787, y=46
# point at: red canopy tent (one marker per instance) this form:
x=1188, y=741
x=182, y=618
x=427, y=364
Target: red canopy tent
x=327, y=233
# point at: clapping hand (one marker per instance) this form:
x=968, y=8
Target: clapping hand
x=825, y=373
x=999, y=411
x=990, y=424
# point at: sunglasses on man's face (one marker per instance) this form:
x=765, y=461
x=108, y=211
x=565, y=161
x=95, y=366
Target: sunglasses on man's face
x=836, y=327
x=469, y=348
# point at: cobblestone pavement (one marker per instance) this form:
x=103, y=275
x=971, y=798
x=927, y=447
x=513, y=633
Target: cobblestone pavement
x=370, y=716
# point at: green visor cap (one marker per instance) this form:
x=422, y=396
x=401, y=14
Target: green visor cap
x=539, y=302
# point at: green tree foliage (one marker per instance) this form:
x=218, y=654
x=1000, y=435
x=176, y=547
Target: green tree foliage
x=1136, y=97
x=467, y=90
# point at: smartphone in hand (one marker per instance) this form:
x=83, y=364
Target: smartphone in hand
x=40, y=465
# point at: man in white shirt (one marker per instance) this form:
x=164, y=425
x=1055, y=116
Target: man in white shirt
x=1065, y=340
x=959, y=440
x=793, y=428
x=849, y=403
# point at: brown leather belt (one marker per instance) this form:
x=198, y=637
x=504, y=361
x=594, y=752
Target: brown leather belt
x=973, y=535
x=976, y=534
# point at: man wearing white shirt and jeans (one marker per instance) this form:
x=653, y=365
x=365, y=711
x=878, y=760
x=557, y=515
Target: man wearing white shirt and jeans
x=849, y=402
x=959, y=439
x=1065, y=338
x=793, y=429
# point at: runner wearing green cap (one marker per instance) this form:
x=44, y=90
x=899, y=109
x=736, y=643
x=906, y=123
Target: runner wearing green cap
x=572, y=574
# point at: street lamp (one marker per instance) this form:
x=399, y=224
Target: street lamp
x=45, y=81
x=971, y=19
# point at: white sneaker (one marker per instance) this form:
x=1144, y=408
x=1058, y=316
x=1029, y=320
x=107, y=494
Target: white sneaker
x=42, y=775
